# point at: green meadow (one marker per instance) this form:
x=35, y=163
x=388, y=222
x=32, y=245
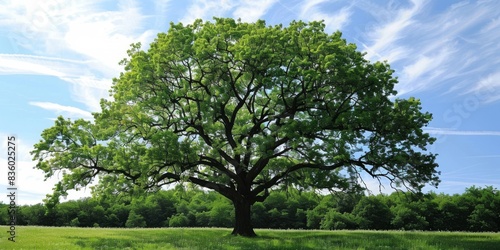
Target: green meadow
x=218, y=238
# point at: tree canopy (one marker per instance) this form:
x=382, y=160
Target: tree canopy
x=241, y=108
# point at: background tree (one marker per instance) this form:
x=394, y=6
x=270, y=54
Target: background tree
x=178, y=220
x=30, y=215
x=484, y=204
x=373, y=213
x=65, y=212
x=339, y=221
x=413, y=211
x=240, y=108
x=316, y=215
x=117, y=215
x=220, y=214
x=135, y=220
x=4, y=214
x=452, y=214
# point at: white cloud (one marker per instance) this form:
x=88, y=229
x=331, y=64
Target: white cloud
x=39, y=65
x=206, y=9
x=418, y=68
x=251, y=11
x=86, y=88
x=161, y=8
x=387, y=34
x=492, y=26
x=66, y=110
x=334, y=21
x=81, y=43
x=487, y=89
x=90, y=90
x=423, y=71
x=485, y=156
x=105, y=36
x=435, y=50
x=38, y=26
x=445, y=131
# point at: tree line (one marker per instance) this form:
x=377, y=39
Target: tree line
x=477, y=209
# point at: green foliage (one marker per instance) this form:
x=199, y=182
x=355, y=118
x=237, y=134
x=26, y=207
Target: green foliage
x=240, y=108
x=65, y=212
x=316, y=215
x=4, y=214
x=335, y=220
x=221, y=215
x=483, y=219
x=414, y=211
x=117, y=215
x=485, y=205
x=452, y=213
x=408, y=219
x=135, y=220
x=154, y=208
x=373, y=213
x=30, y=215
x=178, y=220
x=260, y=217
x=74, y=222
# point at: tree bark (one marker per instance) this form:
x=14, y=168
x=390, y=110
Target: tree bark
x=243, y=218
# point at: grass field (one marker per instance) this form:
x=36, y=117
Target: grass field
x=198, y=238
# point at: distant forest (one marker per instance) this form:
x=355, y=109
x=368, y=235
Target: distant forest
x=477, y=209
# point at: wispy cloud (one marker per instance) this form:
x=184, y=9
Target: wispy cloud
x=66, y=110
x=334, y=20
x=111, y=33
x=424, y=67
x=90, y=90
x=487, y=88
x=433, y=50
x=23, y=146
x=484, y=156
x=250, y=11
x=445, y=131
x=13, y=64
x=85, y=87
x=206, y=9
x=384, y=37
x=81, y=43
x=161, y=9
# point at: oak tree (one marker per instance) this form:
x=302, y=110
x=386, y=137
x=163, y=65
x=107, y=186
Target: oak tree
x=242, y=108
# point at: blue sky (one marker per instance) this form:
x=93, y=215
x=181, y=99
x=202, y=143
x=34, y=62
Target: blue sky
x=58, y=57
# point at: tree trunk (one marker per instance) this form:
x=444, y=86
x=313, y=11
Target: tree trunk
x=243, y=216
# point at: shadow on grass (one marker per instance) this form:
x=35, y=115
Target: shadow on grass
x=205, y=239
x=215, y=239
x=470, y=241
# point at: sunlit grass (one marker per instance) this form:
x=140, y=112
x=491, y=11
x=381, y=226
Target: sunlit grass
x=216, y=238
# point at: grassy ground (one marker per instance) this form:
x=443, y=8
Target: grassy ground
x=196, y=238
